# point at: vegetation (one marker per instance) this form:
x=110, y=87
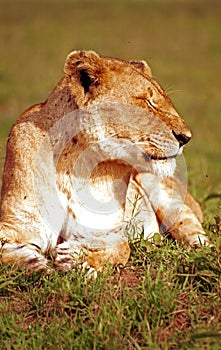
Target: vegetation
x=168, y=296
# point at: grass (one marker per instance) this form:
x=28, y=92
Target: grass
x=167, y=296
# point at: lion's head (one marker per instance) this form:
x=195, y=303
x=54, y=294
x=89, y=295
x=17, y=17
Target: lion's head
x=160, y=131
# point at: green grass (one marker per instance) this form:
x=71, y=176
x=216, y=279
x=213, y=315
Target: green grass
x=167, y=297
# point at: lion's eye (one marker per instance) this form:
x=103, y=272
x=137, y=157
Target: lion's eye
x=151, y=103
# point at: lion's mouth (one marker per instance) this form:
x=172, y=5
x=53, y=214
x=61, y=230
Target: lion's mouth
x=149, y=157
x=156, y=152
x=161, y=155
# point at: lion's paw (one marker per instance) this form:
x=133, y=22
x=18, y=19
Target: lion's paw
x=66, y=256
x=89, y=271
x=197, y=240
x=26, y=255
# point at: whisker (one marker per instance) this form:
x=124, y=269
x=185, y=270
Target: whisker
x=171, y=91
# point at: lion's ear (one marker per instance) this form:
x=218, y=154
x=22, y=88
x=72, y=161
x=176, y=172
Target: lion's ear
x=87, y=65
x=142, y=66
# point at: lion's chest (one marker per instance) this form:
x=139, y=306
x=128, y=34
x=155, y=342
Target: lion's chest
x=96, y=199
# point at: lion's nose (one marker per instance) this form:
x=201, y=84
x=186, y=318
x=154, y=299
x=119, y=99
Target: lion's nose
x=182, y=138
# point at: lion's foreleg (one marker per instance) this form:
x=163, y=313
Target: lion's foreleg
x=30, y=213
x=139, y=218
x=173, y=214
x=95, y=252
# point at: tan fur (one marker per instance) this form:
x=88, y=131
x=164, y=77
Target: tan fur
x=40, y=210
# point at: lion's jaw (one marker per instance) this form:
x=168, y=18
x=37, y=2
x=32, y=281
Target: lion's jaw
x=164, y=168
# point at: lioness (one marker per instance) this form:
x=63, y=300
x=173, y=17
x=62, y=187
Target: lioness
x=99, y=153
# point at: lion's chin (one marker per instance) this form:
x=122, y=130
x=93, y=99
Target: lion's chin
x=164, y=167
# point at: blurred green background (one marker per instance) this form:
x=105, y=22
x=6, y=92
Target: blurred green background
x=180, y=39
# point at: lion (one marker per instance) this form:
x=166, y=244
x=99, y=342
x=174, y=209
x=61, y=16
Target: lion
x=97, y=155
